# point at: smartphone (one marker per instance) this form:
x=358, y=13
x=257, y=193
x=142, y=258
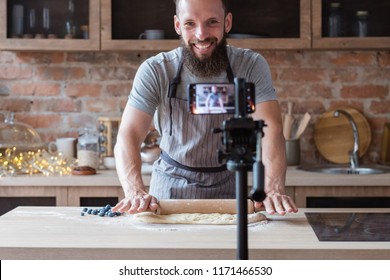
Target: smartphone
x=217, y=98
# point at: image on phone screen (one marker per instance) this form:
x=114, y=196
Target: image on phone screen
x=211, y=98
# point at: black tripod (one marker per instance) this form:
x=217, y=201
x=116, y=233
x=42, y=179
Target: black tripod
x=242, y=150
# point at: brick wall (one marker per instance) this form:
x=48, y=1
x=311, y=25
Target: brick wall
x=57, y=92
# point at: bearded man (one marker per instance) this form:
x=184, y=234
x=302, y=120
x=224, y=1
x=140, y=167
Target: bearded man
x=188, y=167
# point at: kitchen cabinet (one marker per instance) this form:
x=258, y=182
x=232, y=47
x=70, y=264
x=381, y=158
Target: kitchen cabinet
x=123, y=21
x=313, y=190
x=378, y=25
x=22, y=25
x=257, y=24
x=12, y=196
x=99, y=189
x=32, y=194
x=342, y=196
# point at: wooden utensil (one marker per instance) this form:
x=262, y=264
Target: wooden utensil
x=302, y=125
x=333, y=137
x=223, y=206
x=385, y=149
x=288, y=121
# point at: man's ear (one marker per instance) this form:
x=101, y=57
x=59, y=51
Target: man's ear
x=228, y=22
x=176, y=23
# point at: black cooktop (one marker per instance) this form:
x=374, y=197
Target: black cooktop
x=350, y=226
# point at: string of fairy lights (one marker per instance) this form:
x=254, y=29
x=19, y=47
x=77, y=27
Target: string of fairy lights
x=13, y=162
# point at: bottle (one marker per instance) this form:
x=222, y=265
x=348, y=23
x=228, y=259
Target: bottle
x=46, y=21
x=32, y=24
x=70, y=25
x=335, y=21
x=17, y=21
x=360, y=25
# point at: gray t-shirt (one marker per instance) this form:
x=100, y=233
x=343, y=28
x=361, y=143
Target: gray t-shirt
x=192, y=143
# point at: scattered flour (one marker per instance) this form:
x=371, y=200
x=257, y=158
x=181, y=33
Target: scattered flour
x=128, y=221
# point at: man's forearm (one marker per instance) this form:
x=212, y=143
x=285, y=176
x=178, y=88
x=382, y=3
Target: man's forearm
x=128, y=160
x=274, y=160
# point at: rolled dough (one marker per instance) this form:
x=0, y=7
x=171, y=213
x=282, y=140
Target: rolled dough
x=196, y=218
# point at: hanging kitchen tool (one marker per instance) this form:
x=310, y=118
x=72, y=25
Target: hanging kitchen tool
x=333, y=137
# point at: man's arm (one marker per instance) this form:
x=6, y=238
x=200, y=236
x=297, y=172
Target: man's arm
x=134, y=126
x=274, y=159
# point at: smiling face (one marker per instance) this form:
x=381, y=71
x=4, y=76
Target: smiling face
x=202, y=25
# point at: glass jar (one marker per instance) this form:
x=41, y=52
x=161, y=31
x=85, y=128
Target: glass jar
x=360, y=24
x=335, y=21
x=18, y=136
x=88, y=148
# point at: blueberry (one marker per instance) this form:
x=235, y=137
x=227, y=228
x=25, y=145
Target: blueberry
x=103, y=211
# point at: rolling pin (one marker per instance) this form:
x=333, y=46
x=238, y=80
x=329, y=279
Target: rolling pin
x=223, y=206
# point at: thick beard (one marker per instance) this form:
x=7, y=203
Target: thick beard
x=208, y=66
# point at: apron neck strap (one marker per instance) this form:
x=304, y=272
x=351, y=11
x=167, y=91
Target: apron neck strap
x=229, y=72
x=176, y=81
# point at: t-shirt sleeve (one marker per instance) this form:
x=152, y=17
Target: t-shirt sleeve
x=146, y=89
x=261, y=77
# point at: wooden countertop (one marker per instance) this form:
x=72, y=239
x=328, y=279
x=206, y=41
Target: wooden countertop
x=62, y=233
x=107, y=178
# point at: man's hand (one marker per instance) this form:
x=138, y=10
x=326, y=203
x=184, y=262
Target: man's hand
x=139, y=202
x=277, y=203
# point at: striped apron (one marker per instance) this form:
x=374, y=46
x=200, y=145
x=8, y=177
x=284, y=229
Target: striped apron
x=176, y=180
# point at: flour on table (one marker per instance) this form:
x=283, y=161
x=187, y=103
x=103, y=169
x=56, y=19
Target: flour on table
x=196, y=218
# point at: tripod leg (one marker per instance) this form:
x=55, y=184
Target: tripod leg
x=242, y=215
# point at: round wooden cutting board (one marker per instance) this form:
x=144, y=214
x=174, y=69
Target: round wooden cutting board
x=333, y=137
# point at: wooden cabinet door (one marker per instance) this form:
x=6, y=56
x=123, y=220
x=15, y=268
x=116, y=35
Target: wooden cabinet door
x=378, y=25
x=257, y=24
x=87, y=15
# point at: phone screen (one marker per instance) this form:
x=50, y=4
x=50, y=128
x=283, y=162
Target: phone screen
x=217, y=98
x=211, y=98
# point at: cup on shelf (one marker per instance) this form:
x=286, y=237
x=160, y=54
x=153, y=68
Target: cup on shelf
x=152, y=34
x=109, y=162
x=85, y=31
x=66, y=146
